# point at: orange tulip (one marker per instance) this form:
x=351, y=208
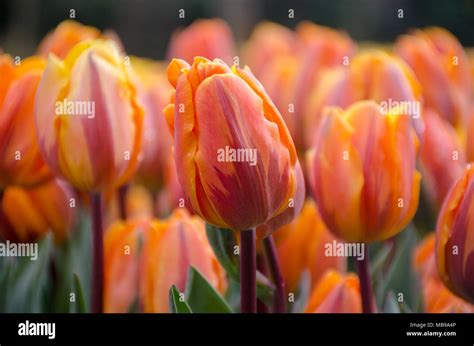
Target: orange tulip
x=210, y=38
x=64, y=37
x=441, y=156
x=121, y=264
x=21, y=162
x=170, y=248
x=28, y=214
x=442, y=67
x=268, y=42
x=455, y=238
x=336, y=293
x=88, y=118
x=373, y=75
x=437, y=298
x=301, y=246
x=363, y=172
x=470, y=138
x=234, y=156
x=154, y=93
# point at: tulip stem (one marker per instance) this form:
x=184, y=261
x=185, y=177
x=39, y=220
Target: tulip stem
x=122, y=201
x=97, y=254
x=248, y=272
x=262, y=268
x=274, y=264
x=365, y=280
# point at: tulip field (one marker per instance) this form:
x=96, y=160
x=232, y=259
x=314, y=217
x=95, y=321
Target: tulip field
x=295, y=169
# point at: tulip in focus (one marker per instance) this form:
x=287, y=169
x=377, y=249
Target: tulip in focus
x=21, y=163
x=217, y=110
x=437, y=298
x=301, y=247
x=28, y=214
x=210, y=38
x=363, y=173
x=170, y=248
x=442, y=67
x=335, y=293
x=455, y=238
x=64, y=37
x=88, y=118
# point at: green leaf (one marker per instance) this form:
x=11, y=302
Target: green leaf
x=202, y=297
x=265, y=289
x=176, y=304
x=223, y=241
x=81, y=303
x=391, y=304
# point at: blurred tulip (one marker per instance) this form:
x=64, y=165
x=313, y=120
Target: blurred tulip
x=363, y=172
x=442, y=67
x=437, y=298
x=21, y=163
x=373, y=75
x=455, y=238
x=170, y=248
x=442, y=157
x=321, y=48
x=88, y=118
x=335, y=293
x=64, y=37
x=301, y=247
x=121, y=264
x=470, y=138
x=209, y=38
x=28, y=214
x=267, y=43
x=154, y=93
x=235, y=158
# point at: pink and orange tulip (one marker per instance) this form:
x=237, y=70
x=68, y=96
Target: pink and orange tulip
x=215, y=111
x=442, y=67
x=335, y=293
x=363, y=172
x=454, y=238
x=210, y=38
x=21, y=163
x=88, y=117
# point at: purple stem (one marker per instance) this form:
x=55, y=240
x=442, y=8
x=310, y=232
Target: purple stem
x=366, y=293
x=248, y=272
x=97, y=254
x=275, y=270
x=122, y=201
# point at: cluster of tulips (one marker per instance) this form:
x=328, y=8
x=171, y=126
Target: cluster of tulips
x=349, y=139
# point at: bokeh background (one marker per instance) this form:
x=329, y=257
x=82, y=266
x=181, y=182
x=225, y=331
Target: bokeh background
x=146, y=25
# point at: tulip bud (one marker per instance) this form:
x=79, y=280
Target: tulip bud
x=64, y=37
x=437, y=298
x=21, y=163
x=88, y=119
x=442, y=67
x=454, y=238
x=441, y=156
x=210, y=38
x=306, y=236
x=28, y=214
x=170, y=248
x=336, y=293
x=363, y=172
x=235, y=159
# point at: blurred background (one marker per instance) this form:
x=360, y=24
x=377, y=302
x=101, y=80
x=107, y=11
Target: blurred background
x=145, y=25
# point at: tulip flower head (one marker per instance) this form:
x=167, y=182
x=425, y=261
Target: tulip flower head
x=88, y=117
x=21, y=162
x=363, y=172
x=235, y=159
x=455, y=238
